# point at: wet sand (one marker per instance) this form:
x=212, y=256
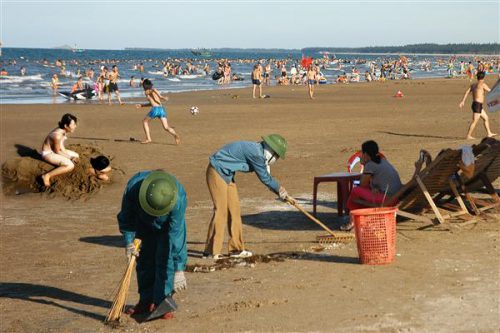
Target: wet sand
x=62, y=259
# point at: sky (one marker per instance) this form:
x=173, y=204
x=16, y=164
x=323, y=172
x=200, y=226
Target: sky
x=101, y=24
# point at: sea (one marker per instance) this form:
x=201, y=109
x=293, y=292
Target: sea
x=39, y=64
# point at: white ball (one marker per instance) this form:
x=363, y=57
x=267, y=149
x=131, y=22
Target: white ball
x=194, y=110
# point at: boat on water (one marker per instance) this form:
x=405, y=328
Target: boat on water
x=201, y=53
x=76, y=50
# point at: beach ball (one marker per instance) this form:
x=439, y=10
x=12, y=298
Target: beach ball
x=194, y=110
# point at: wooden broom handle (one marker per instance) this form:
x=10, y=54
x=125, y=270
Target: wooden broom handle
x=312, y=218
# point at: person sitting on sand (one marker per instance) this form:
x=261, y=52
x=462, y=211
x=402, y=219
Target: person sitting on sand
x=379, y=180
x=100, y=167
x=478, y=91
x=368, y=77
x=342, y=78
x=54, y=152
x=157, y=111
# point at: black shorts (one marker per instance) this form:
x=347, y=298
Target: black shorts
x=257, y=82
x=477, y=107
x=266, y=74
x=112, y=87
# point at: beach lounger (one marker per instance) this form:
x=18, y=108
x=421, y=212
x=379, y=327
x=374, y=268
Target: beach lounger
x=430, y=182
x=486, y=171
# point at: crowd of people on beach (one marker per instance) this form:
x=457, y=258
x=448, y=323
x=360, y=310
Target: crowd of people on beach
x=154, y=201
x=105, y=80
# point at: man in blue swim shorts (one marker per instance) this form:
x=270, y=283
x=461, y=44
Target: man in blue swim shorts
x=157, y=111
x=312, y=80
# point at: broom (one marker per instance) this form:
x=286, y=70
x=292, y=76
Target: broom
x=121, y=292
x=333, y=237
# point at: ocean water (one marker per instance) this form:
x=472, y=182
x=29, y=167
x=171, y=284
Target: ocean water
x=34, y=86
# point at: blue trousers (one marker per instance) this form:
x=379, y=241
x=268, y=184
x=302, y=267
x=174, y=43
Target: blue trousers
x=155, y=265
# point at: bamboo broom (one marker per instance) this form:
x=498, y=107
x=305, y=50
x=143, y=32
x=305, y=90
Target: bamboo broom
x=120, y=297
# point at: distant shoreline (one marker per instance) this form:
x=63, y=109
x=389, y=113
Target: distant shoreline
x=264, y=50
x=425, y=54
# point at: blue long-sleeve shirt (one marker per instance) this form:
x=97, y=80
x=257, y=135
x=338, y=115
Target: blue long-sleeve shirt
x=134, y=221
x=244, y=156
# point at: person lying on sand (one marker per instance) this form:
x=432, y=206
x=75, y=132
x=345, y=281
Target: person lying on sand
x=100, y=167
x=53, y=150
x=157, y=111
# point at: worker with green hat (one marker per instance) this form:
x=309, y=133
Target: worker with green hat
x=153, y=210
x=243, y=156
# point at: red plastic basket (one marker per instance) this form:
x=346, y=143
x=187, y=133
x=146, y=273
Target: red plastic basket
x=375, y=234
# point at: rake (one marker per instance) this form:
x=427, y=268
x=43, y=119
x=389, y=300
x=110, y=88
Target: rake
x=120, y=296
x=333, y=237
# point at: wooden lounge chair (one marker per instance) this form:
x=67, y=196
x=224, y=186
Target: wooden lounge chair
x=486, y=171
x=431, y=181
x=419, y=193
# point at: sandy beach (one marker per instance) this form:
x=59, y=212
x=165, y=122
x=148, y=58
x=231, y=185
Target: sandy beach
x=62, y=259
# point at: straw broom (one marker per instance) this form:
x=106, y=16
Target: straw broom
x=121, y=292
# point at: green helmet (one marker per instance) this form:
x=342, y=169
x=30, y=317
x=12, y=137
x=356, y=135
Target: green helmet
x=277, y=143
x=158, y=193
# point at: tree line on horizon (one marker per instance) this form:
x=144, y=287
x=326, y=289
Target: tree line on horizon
x=468, y=48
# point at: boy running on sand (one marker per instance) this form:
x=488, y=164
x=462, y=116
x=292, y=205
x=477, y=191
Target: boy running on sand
x=157, y=111
x=478, y=90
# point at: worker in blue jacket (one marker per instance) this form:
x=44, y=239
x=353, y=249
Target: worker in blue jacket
x=153, y=210
x=243, y=156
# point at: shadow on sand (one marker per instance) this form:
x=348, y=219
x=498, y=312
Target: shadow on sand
x=106, y=240
x=25, y=151
x=49, y=295
x=423, y=135
x=291, y=220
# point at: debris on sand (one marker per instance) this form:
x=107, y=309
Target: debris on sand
x=227, y=263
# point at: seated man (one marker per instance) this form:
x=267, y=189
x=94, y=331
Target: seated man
x=53, y=150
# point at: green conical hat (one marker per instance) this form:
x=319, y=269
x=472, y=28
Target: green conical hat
x=158, y=193
x=277, y=143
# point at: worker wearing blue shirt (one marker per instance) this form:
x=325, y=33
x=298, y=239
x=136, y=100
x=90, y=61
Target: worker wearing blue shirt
x=243, y=156
x=153, y=210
